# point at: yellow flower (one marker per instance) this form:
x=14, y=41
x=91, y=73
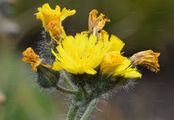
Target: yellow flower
x=52, y=19
x=29, y=56
x=79, y=54
x=113, y=62
x=147, y=58
x=117, y=65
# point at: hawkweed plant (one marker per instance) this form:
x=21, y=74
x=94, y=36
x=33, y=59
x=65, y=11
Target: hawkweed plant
x=90, y=64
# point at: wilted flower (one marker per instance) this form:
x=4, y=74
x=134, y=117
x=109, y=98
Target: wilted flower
x=96, y=21
x=52, y=19
x=146, y=58
x=29, y=56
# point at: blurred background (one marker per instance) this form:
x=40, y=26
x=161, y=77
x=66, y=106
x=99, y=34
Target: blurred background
x=142, y=25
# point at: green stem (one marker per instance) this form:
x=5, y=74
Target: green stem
x=72, y=113
x=67, y=80
x=64, y=90
x=89, y=110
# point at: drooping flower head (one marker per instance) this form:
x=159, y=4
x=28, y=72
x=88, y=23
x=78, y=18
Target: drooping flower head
x=52, y=19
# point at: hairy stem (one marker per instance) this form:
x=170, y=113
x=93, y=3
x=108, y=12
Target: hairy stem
x=89, y=110
x=72, y=113
x=67, y=80
x=64, y=90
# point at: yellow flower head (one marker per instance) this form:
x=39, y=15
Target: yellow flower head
x=52, y=19
x=113, y=62
x=79, y=54
x=96, y=21
x=117, y=65
x=147, y=58
x=29, y=56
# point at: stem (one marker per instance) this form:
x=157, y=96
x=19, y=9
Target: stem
x=89, y=110
x=64, y=90
x=67, y=80
x=72, y=113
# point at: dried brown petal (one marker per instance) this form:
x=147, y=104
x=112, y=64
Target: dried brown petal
x=96, y=21
x=147, y=58
x=29, y=56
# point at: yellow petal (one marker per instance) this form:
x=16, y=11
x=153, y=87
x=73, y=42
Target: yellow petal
x=65, y=13
x=116, y=44
x=56, y=66
x=121, y=68
x=132, y=73
x=111, y=61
